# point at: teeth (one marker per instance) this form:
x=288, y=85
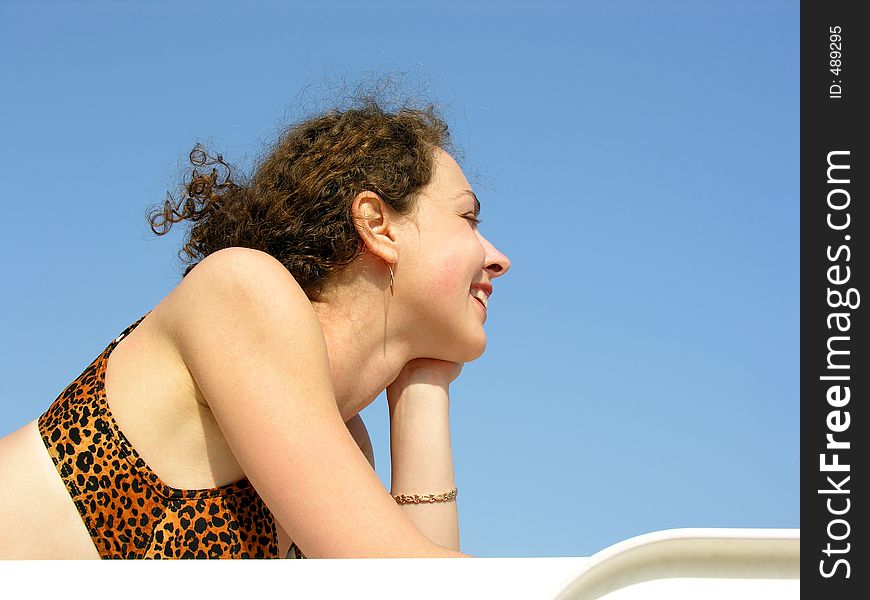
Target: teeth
x=480, y=295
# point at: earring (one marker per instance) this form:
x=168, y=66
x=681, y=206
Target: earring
x=391, y=279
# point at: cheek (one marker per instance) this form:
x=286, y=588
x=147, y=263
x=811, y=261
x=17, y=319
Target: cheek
x=446, y=279
x=451, y=264
x=456, y=266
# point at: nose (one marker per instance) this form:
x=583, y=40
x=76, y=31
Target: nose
x=496, y=263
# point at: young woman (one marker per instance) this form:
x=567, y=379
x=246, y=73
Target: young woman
x=224, y=422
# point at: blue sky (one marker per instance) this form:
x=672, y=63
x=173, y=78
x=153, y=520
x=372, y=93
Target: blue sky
x=637, y=161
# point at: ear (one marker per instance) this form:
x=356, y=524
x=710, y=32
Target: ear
x=376, y=223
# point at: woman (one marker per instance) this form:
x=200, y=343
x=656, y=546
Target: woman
x=224, y=422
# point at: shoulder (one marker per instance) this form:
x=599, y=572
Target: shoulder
x=237, y=291
x=245, y=270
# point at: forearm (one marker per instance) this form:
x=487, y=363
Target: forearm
x=422, y=459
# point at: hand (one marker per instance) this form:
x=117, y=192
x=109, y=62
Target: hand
x=424, y=370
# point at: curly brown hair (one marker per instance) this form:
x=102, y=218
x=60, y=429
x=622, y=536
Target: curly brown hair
x=297, y=205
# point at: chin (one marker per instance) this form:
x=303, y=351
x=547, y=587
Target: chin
x=470, y=349
x=475, y=348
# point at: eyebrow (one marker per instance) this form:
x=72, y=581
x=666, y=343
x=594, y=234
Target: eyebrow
x=473, y=195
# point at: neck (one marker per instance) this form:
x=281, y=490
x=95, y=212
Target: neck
x=366, y=346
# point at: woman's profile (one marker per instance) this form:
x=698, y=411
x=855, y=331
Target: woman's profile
x=225, y=421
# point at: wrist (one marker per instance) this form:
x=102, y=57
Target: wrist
x=426, y=372
x=418, y=393
x=423, y=376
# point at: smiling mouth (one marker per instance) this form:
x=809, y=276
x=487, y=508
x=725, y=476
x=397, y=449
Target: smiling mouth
x=483, y=303
x=480, y=296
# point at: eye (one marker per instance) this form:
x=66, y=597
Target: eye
x=471, y=218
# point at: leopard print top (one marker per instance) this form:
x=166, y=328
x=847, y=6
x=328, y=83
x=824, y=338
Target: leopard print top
x=128, y=510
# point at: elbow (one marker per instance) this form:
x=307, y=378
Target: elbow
x=443, y=552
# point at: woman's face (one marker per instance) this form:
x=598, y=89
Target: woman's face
x=444, y=261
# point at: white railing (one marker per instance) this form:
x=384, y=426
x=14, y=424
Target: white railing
x=676, y=564
x=748, y=564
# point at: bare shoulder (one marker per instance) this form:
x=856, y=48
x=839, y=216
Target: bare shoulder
x=238, y=286
x=235, y=299
x=243, y=272
x=244, y=265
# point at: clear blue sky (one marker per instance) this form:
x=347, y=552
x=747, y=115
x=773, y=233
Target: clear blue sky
x=638, y=162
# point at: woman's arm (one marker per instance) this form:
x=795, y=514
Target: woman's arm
x=253, y=344
x=422, y=460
